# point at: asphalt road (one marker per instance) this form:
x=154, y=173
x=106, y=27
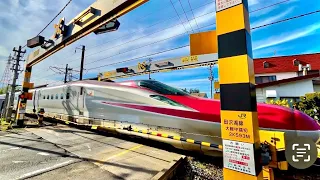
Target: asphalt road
x=61, y=152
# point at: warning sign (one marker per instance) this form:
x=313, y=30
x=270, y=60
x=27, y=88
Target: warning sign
x=224, y=4
x=238, y=126
x=239, y=156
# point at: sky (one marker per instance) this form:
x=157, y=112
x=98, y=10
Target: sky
x=151, y=28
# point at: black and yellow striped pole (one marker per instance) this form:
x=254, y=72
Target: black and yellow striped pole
x=239, y=123
x=24, y=96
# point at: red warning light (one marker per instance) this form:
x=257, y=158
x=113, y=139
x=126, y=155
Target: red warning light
x=21, y=96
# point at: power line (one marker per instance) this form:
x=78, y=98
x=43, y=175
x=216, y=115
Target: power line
x=52, y=19
x=203, y=15
x=178, y=16
x=55, y=17
x=193, y=14
x=160, y=52
x=145, y=45
x=45, y=77
x=125, y=43
x=186, y=15
x=159, y=22
x=269, y=6
x=280, y=21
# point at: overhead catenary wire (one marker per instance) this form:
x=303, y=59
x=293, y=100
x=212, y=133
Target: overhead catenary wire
x=125, y=43
x=156, y=53
x=169, y=27
x=164, y=21
x=193, y=14
x=178, y=16
x=145, y=45
x=148, y=27
x=287, y=19
x=52, y=19
x=262, y=9
x=186, y=15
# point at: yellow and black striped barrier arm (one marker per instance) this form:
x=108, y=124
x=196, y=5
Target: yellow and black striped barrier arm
x=239, y=123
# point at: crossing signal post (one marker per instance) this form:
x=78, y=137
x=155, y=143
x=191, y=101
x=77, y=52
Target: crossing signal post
x=239, y=121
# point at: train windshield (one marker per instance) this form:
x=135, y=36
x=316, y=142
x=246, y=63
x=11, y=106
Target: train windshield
x=161, y=88
x=166, y=100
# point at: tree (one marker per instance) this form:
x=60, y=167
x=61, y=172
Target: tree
x=3, y=90
x=185, y=90
x=279, y=102
x=310, y=104
x=194, y=91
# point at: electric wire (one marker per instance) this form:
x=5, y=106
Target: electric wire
x=178, y=16
x=53, y=19
x=213, y=24
x=186, y=15
x=159, y=22
x=177, y=35
x=193, y=14
x=287, y=19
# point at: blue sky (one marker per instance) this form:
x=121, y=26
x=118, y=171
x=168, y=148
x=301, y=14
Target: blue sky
x=23, y=19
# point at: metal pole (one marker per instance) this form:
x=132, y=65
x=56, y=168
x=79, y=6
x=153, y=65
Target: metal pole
x=82, y=60
x=65, y=75
x=211, y=79
x=13, y=85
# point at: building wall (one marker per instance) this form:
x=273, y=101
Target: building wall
x=294, y=89
x=283, y=75
x=316, y=88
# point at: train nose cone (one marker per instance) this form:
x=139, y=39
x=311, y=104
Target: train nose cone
x=306, y=126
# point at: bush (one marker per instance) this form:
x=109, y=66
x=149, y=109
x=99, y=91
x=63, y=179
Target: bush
x=279, y=102
x=310, y=104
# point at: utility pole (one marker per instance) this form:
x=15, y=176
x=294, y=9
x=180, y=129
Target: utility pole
x=16, y=70
x=210, y=79
x=149, y=66
x=82, y=60
x=83, y=49
x=65, y=75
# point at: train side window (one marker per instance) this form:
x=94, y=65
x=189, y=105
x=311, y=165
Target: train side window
x=51, y=96
x=61, y=97
x=68, y=96
x=44, y=96
x=48, y=96
x=57, y=96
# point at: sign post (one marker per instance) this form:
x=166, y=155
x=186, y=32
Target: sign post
x=239, y=120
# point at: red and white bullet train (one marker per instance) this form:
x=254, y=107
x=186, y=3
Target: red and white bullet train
x=149, y=104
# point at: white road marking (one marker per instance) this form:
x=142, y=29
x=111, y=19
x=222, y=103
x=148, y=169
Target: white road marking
x=89, y=147
x=15, y=148
x=43, y=154
x=18, y=162
x=40, y=171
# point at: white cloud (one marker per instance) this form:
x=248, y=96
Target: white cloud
x=286, y=37
x=272, y=18
x=253, y=2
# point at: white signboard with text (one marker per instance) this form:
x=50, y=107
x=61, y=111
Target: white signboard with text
x=224, y=4
x=239, y=156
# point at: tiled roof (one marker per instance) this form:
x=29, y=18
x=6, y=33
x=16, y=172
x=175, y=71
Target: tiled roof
x=285, y=63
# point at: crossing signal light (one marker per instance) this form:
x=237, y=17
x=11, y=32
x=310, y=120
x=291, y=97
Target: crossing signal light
x=21, y=96
x=123, y=70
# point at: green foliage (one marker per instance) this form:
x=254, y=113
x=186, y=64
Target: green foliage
x=191, y=90
x=194, y=91
x=279, y=102
x=310, y=104
x=3, y=90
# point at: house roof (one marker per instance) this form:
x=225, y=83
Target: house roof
x=285, y=63
x=289, y=80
